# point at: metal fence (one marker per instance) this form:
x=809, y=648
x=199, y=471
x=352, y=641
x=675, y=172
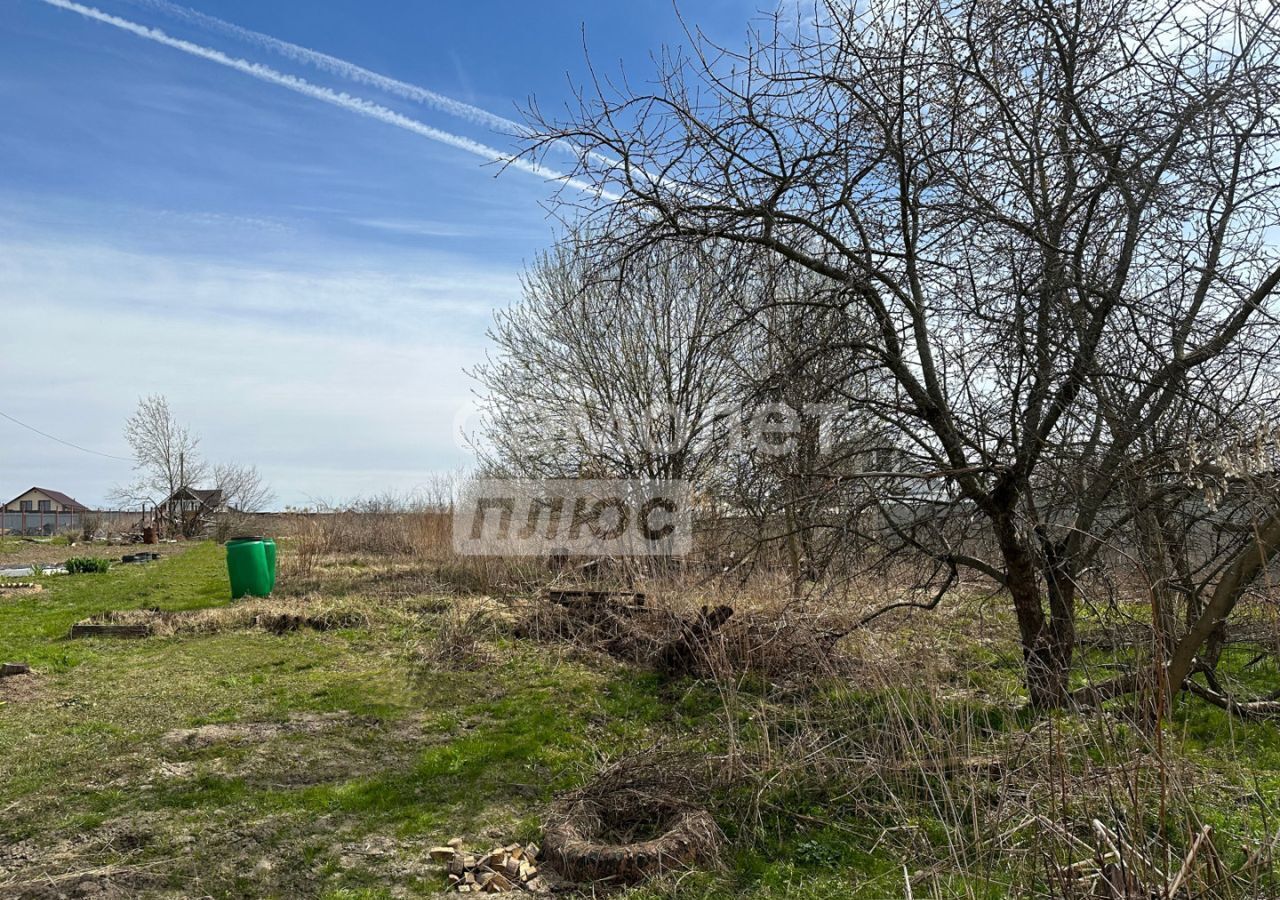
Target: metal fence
x=36, y=523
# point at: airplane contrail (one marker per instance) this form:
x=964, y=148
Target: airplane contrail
x=335, y=98
x=352, y=72
x=340, y=67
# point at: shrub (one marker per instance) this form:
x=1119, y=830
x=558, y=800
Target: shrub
x=89, y=525
x=80, y=565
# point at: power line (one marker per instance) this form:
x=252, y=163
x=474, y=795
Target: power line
x=61, y=441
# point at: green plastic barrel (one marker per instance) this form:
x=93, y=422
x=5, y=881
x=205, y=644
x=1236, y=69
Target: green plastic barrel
x=269, y=546
x=247, y=567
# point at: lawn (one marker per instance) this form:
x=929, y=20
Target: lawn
x=238, y=762
x=349, y=764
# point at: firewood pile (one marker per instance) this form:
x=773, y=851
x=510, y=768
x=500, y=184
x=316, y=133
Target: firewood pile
x=502, y=869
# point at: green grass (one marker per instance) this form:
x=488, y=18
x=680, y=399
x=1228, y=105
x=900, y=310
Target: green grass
x=32, y=627
x=411, y=757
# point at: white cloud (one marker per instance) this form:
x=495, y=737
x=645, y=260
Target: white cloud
x=417, y=227
x=337, y=380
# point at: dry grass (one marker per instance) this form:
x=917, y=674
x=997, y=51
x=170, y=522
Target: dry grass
x=914, y=723
x=409, y=550
x=636, y=820
x=784, y=644
x=917, y=723
x=962, y=779
x=275, y=615
x=459, y=641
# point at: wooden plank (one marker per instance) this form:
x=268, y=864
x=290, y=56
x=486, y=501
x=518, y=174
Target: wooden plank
x=89, y=629
x=575, y=596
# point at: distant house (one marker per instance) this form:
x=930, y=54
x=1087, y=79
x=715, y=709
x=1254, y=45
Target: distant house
x=193, y=500
x=43, y=500
x=188, y=509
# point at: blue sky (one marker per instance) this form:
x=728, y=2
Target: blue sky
x=307, y=285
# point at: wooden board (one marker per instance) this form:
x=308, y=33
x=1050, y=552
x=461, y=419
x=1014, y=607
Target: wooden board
x=575, y=596
x=88, y=629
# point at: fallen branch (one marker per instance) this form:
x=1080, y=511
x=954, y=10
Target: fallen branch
x=1190, y=860
x=678, y=657
x=1245, y=709
x=952, y=575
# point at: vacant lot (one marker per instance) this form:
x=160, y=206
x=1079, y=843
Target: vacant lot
x=320, y=745
x=17, y=552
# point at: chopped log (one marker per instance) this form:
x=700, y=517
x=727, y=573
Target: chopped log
x=7, y=669
x=88, y=629
x=498, y=883
x=499, y=871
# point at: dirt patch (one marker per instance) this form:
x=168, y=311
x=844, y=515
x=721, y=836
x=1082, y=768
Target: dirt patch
x=395, y=857
x=251, y=732
x=12, y=590
x=96, y=864
x=107, y=882
x=35, y=552
x=26, y=688
x=149, y=853
x=286, y=755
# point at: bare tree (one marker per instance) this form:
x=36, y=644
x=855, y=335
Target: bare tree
x=611, y=368
x=166, y=453
x=241, y=492
x=797, y=376
x=242, y=487
x=1053, y=218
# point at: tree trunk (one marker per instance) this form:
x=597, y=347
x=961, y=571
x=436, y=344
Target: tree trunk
x=1047, y=642
x=1177, y=543
x=793, y=546
x=1156, y=555
x=1246, y=567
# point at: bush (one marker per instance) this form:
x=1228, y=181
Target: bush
x=80, y=565
x=89, y=525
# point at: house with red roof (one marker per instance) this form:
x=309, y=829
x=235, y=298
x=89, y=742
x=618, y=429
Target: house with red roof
x=44, y=500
